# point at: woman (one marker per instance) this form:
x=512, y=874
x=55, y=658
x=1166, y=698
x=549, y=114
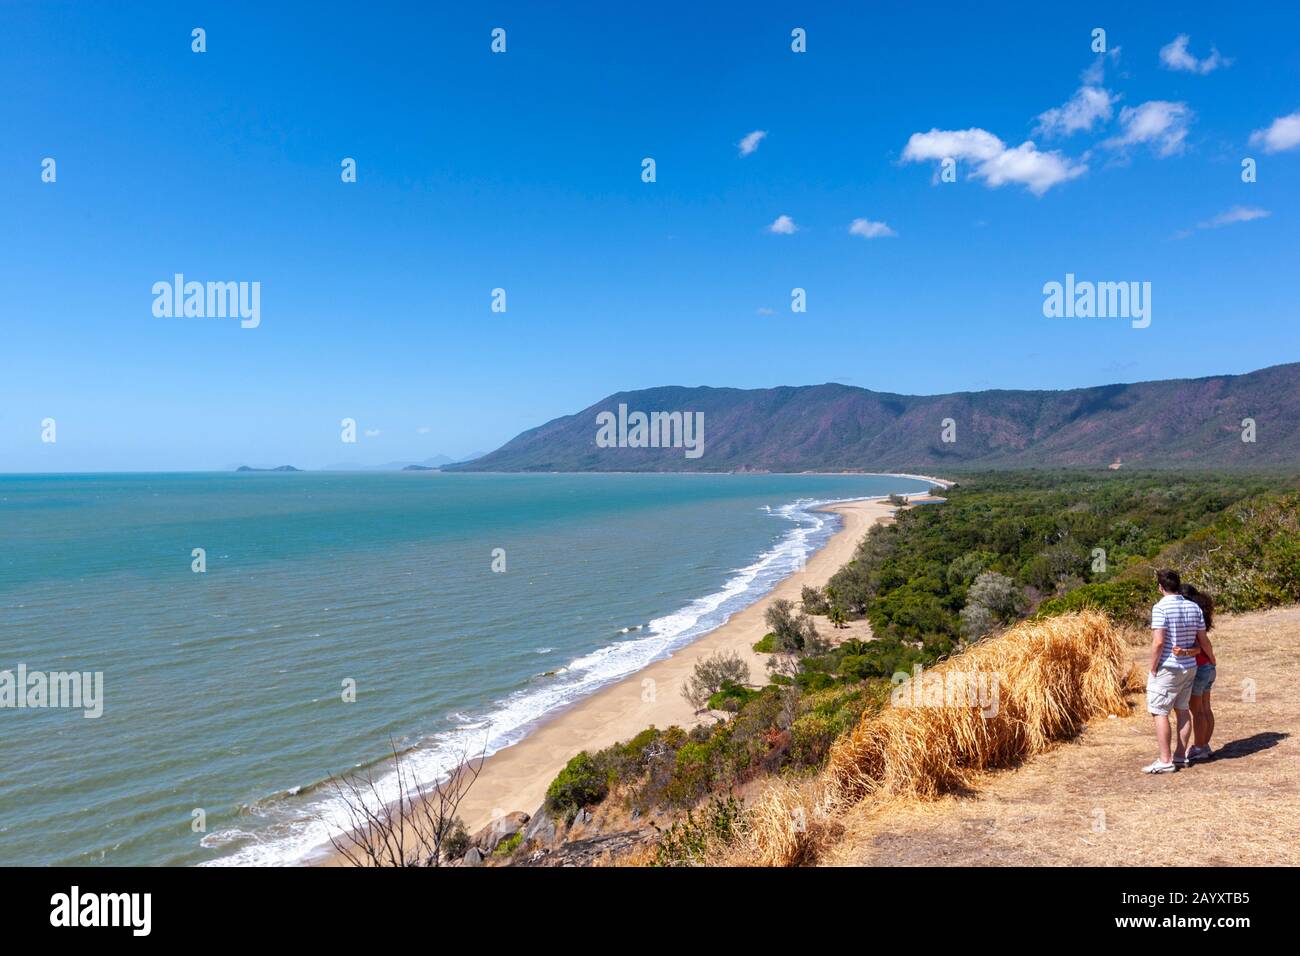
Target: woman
x=1202, y=715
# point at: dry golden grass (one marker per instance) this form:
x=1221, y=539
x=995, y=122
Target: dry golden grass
x=1085, y=803
x=1052, y=677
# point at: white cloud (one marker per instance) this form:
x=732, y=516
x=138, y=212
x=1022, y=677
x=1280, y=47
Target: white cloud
x=1282, y=134
x=423, y=430
x=870, y=230
x=1235, y=214
x=751, y=141
x=1174, y=56
x=372, y=433
x=1095, y=74
x=783, y=226
x=1035, y=170
x=1159, y=123
x=764, y=310
x=974, y=144
x=1081, y=112
x=994, y=162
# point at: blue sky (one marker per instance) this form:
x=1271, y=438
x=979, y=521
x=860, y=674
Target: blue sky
x=522, y=171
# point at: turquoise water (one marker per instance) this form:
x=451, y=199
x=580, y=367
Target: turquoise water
x=223, y=689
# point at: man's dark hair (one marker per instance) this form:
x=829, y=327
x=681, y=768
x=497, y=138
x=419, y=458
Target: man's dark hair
x=1169, y=581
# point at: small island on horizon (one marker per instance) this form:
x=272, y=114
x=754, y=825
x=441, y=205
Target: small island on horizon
x=277, y=468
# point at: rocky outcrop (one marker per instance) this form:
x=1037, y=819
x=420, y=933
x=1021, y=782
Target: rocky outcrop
x=541, y=831
x=499, y=830
x=591, y=851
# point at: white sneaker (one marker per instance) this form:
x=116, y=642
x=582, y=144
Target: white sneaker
x=1158, y=767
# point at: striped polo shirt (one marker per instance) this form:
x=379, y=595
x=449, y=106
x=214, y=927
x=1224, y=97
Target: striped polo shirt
x=1181, y=619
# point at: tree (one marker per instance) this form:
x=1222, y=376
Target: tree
x=793, y=634
x=965, y=569
x=418, y=828
x=709, y=675
x=814, y=601
x=998, y=593
x=852, y=586
x=837, y=617
x=991, y=600
x=976, y=621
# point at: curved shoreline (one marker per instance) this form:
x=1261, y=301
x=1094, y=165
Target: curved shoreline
x=516, y=777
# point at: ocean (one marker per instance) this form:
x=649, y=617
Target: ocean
x=462, y=608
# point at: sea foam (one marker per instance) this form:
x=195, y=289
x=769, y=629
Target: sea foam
x=297, y=833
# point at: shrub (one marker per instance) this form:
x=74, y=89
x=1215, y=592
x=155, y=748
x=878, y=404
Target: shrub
x=456, y=843
x=976, y=621
x=713, y=673
x=766, y=644
x=793, y=634
x=693, y=773
x=626, y=762
x=695, y=840
x=811, y=737
x=1060, y=560
x=813, y=600
x=581, y=783
x=992, y=599
x=509, y=845
x=1127, y=600
x=856, y=667
x=731, y=697
x=852, y=586
x=1249, y=558
x=998, y=593
x=965, y=569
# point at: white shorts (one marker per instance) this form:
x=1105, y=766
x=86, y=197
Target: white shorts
x=1169, y=688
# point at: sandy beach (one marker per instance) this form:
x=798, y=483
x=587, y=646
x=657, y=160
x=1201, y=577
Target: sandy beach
x=516, y=778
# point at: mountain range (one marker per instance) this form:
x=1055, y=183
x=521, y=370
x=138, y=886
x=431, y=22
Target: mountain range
x=427, y=464
x=1176, y=423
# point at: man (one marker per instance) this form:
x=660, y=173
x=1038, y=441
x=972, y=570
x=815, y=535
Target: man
x=1175, y=623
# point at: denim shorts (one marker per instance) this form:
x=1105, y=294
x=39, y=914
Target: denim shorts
x=1205, y=675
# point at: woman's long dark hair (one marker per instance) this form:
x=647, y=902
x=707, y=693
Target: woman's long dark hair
x=1203, y=601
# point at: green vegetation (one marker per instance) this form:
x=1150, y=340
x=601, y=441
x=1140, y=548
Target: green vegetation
x=814, y=600
x=690, y=841
x=730, y=697
x=582, y=782
x=1061, y=540
x=793, y=634
x=456, y=843
x=509, y=845
x=722, y=676
x=1003, y=546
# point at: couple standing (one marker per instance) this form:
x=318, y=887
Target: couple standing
x=1182, y=672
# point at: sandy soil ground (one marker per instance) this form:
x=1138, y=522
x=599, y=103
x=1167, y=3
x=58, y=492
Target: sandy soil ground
x=1086, y=804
